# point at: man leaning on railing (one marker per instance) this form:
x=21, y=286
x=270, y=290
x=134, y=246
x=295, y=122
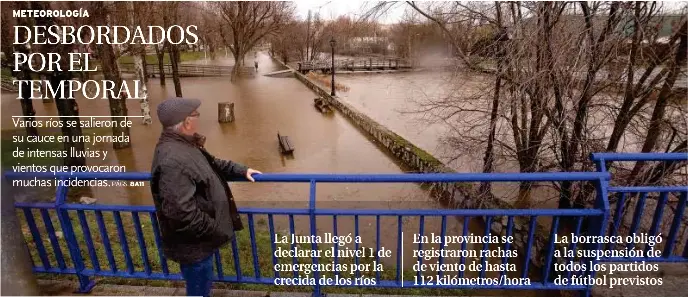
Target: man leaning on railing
x=196, y=210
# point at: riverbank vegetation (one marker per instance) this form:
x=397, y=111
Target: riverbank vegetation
x=569, y=79
x=563, y=80
x=326, y=81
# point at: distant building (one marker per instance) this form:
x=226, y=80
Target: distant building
x=364, y=43
x=664, y=25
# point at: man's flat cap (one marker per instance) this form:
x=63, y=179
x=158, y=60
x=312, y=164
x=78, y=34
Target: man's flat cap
x=174, y=110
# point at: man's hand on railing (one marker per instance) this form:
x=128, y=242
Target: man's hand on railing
x=250, y=172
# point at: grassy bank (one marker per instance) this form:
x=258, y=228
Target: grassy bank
x=153, y=58
x=5, y=72
x=263, y=247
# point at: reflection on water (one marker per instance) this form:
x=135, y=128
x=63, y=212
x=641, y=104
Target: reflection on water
x=407, y=103
x=400, y=102
x=265, y=106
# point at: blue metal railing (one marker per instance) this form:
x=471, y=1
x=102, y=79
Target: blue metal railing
x=630, y=205
x=88, y=235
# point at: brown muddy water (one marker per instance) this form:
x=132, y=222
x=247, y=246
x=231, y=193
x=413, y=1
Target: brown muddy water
x=406, y=103
x=324, y=144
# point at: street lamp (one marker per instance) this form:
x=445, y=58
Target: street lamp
x=332, y=44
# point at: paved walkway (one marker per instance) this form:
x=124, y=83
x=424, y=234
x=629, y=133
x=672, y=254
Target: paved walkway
x=674, y=283
x=57, y=288
x=60, y=288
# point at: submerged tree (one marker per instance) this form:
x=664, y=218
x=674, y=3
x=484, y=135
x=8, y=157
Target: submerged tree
x=28, y=110
x=171, y=17
x=110, y=68
x=569, y=79
x=244, y=23
x=67, y=109
x=138, y=51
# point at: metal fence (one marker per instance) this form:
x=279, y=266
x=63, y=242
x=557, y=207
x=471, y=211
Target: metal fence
x=188, y=70
x=355, y=64
x=83, y=243
x=632, y=206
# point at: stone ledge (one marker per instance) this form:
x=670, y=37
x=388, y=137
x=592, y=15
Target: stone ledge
x=459, y=195
x=61, y=288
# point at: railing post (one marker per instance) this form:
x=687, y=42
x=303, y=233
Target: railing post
x=85, y=283
x=598, y=224
x=314, y=246
x=600, y=164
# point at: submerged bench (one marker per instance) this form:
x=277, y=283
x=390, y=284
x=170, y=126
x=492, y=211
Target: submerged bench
x=285, y=144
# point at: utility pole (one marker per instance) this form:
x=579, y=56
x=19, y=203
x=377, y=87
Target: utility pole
x=332, y=44
x=308, y=35
x=17, y=274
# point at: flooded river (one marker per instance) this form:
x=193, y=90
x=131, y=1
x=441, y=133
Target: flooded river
x=406, y=103
x=265, y=106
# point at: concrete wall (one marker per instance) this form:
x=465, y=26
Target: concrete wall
x=456, y=195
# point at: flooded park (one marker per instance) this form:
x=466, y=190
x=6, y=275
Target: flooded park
x=265, y=106
x=466, y=99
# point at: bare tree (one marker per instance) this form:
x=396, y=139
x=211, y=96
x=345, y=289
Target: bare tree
x=289, y=44
x=245, y=23
x=28, y=110
x=110, y=68
x=665, y=93
x=488, y=160
x=171, y=17
x=138, y=51
x=551, y=92
x=6, y=23
x=67, y=108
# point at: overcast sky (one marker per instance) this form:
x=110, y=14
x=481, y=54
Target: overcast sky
x=353, y=8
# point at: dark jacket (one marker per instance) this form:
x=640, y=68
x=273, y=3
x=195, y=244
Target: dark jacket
x=195, y=207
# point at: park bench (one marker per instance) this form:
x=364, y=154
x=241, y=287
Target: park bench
x=285, y=144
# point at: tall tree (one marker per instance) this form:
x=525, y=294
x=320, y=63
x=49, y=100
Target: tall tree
x=555, y=102
x=244, y=23
x=6, y=23
x=598, y=50
x=67, y=109
x=138, y=51
x=488, y=160
x=170, y=17
x=665, y=94
x=25, y=73
x=108, y=61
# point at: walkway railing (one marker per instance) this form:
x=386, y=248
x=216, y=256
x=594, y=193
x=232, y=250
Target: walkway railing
x=355, y=64
x=188, y=70
x=89, y=247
